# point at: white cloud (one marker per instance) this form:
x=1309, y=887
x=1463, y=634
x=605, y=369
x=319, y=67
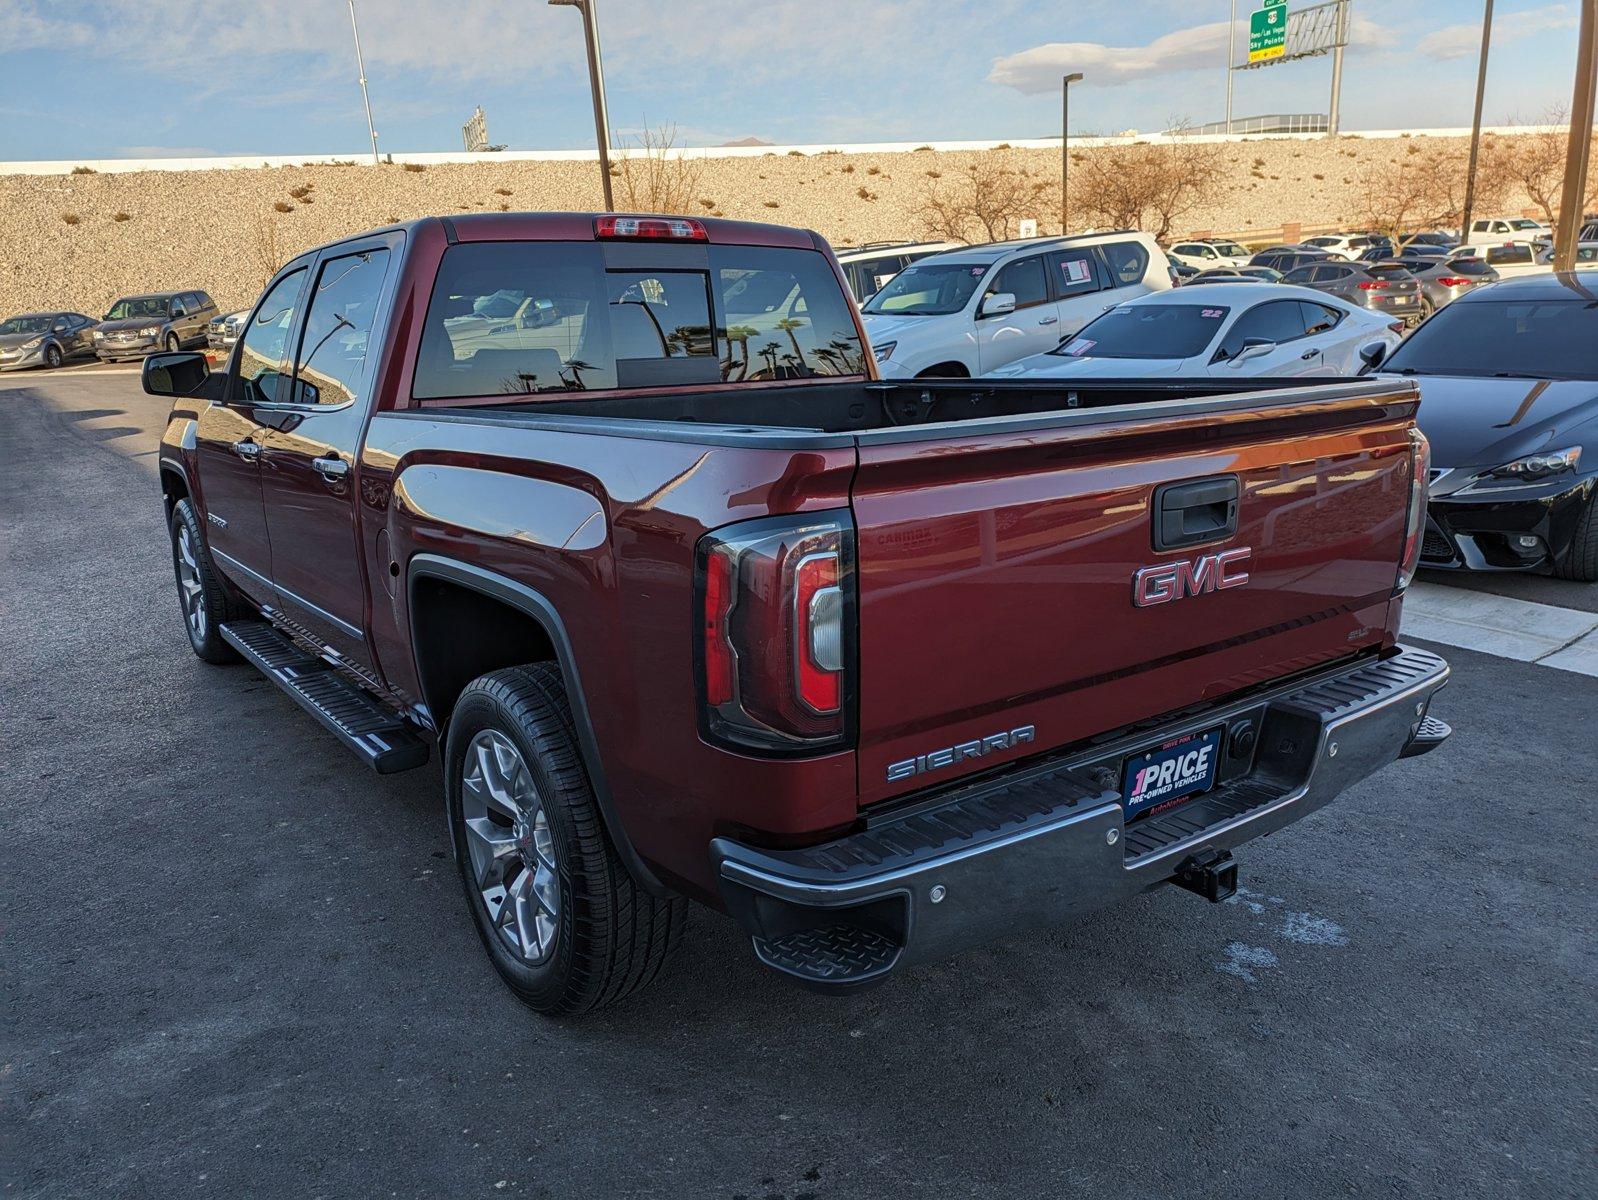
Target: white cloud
x=1463, y=41
x=1039, y=69
x=1196, y=48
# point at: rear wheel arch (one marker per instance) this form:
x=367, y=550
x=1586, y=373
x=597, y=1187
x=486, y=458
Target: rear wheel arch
x=466, y=622
x=945, y=370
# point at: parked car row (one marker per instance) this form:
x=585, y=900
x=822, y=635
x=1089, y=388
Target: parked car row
x=133, y=327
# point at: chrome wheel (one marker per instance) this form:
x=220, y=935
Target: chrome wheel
x=190, y=590
x=511, y=846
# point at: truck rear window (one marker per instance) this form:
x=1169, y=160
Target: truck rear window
x=513, y=318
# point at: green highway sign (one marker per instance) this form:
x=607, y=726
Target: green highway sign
x=1267, y=33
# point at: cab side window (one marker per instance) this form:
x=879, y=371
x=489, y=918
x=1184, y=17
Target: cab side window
x=264, y=346
x=1024, y=280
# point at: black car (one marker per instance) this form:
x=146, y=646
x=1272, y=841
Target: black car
x=1509, y=402
x=1288, y=258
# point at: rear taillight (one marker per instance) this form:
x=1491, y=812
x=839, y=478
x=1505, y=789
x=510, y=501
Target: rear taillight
x=680, y=229
x=1453, y=281
x=1396, y=326
x=1373, y=285
x=775, y=611
x=1415, y=515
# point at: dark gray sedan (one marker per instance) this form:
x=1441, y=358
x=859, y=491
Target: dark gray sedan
x=1386, y=288
x=44, y=339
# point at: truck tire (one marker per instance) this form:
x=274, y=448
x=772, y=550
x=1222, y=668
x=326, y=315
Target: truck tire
x=204, y=598
x=563, y=921
x=1581, y=560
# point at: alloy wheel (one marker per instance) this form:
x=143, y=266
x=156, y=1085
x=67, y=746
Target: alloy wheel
x=191, y=592
x=52, y=357
x=511, y=846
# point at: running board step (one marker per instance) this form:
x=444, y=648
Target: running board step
x=377, y=734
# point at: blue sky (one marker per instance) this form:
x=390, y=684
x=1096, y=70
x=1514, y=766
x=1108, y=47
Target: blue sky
x=122, y=78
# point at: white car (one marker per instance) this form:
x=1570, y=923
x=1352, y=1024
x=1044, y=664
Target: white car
x=1220, y=331
x=868, y=268
x=1514, y=259
x=1210, y=253
x=968, y=311
x=1343, y=245
x=1501, y=231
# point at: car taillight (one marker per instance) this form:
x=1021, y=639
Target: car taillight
x=682, y=229
x=775, y=611
x=1453, y=281
x=1372, y=285
x=1396, y=326
x=1415, y=515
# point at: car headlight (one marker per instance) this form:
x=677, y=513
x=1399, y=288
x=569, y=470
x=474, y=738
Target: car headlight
x=1540, y=466
x=152, y=331
x=882, y=351
x=33, y=344
x=99, y=336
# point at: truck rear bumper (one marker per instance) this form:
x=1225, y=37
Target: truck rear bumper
x=1040, y=844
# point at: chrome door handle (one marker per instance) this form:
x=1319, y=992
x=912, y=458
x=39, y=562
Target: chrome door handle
x=1308, y=354
x=332, y=468
x=248, y=450
x=1048, y=320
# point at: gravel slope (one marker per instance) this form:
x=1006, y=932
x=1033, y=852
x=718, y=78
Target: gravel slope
x=220, y=230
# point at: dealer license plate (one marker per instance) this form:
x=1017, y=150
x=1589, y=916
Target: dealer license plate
x=1162, y=775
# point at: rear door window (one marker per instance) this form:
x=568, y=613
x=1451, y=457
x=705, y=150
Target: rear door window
x=1076, y=272
x=338, y=328
x=1318, y=318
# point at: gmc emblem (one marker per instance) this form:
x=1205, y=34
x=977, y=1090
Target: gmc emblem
x=1164, y=582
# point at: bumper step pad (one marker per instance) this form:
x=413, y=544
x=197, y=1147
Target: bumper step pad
x=377, y=734
x=830, y=956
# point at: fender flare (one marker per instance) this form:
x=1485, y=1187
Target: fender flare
x=538, y=607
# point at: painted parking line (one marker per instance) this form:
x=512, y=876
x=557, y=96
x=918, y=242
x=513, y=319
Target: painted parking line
x=1536, y=633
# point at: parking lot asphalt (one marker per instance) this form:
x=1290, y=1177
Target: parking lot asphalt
x=238, y=963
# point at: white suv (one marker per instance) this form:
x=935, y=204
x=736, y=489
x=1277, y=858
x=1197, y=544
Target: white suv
x=868, y=268
x=1208, y=254
x=1505, y=231
x=967, y=311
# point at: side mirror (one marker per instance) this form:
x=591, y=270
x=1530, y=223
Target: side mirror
x=59, y=327
x=997, y=304
x=1253, y=348
x=1373, y=354
x=181, y=374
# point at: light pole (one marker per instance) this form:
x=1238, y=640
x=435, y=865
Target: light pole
x=596, y=81
x=1475, y=125
x=1065, y=144
x=1231, y=50
x=1580, y=145
x=360, y=67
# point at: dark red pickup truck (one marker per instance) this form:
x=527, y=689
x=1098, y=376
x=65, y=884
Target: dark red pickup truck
x=613, y=511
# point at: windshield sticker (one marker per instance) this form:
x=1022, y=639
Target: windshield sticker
x=1080, y=347
x=976, y=272
x=1076, y=270
x=1212, y=313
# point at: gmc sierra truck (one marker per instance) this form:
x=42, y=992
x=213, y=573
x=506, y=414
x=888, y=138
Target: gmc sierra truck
x=613, y=513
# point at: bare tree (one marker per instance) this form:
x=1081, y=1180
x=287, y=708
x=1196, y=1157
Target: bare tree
x=1534, y=162
x=654, y=176
x=1424, y=188
x=1147, y=185
x=981, y=200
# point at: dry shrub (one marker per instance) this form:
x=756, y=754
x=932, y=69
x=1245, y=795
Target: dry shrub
x=796, y=154
x=865, y=193
x=70, y=218
x=283, y=206
x=983, y=200
x=84, y=171
x=656, y=177
x=120, y=216
x=301, y=192
x=414, y=168
x=772, y=204
x=266, y=253
x=847, y=169
x=502, y=191
x=704, y=203
x=873, y=170
x=1150, y=186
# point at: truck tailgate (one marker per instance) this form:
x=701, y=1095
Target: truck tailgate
x=996, y=569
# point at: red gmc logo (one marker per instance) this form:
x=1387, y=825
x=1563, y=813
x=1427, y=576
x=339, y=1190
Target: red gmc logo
x=1165, y=582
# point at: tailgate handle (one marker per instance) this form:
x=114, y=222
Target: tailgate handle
x=1200, y=510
